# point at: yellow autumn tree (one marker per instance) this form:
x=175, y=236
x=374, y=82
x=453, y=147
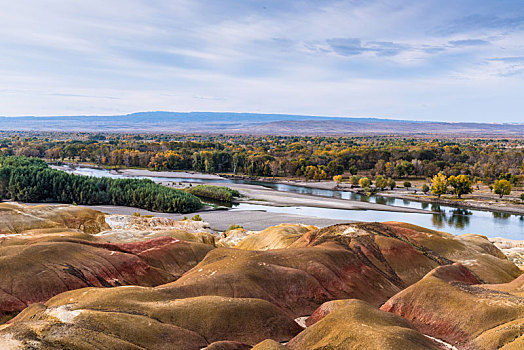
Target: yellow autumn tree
x=439, y=184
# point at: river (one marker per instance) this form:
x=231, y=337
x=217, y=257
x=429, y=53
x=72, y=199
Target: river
x=450, y=219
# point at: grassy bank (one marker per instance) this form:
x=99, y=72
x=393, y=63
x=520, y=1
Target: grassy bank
x=218, y=193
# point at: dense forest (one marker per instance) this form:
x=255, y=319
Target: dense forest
x=314, y=158
x=31, y=180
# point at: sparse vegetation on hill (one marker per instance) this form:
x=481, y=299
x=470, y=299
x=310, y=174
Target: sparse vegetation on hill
x=31, y=180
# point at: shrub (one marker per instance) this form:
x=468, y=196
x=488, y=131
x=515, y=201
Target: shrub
x=522, y=196
x=425, y=188
x=219, y=193
x=407, y=184
x=233, y=227
x=196, y=218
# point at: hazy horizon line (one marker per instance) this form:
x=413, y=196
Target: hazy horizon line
x=258, y=113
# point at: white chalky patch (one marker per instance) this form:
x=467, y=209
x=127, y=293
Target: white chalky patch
x=7, y=342
x=63, y=313
x=301, y=321
x=447, y=345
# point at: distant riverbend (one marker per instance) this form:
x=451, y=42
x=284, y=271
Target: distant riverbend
x=440, y=217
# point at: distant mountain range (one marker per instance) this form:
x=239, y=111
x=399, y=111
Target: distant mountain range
x=252, y=123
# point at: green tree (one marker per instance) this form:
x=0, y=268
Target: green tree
x=354, y=180
x=381, y=182
x=425, y=188
x=461, y=185
x=439, y=184
x=407, y=184
x=392, y=184
x=502, y=187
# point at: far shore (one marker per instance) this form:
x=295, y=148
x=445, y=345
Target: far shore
x=255, y=194
x=171, y=174
x=262, y=195
x=400, y=193
x=142, y=172
x=467, y=202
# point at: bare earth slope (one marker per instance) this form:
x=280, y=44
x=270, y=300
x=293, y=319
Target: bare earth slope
x=148, y=288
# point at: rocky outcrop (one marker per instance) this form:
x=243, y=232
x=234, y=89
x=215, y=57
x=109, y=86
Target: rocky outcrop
x=513, y=249
x=154, y=223
x=448, y=305
x=136, y=317
x=269, y=344
x=228, y=345
x=17, y=218
x=36, y=272
x=171, y=288
x=475, y=252
x=325, y=309
x=275, y=237
x=371, y=262
x=358, y=325
x=232, y=237
x=297, y=280
x=126, y=228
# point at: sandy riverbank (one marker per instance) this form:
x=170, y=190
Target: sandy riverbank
x=253, y=194
x=468, y=202
x=489, y=205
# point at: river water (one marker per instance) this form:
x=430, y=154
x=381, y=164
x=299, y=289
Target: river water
x=450, y=219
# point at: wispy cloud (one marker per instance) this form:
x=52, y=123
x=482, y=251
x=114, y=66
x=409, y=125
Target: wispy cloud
x=468, y=42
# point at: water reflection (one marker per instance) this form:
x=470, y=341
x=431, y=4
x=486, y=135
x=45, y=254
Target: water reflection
x=503, y=216
x=381, y=200
x=458, y=218
x=449, y=219
x=438, y=220
x=436, y=207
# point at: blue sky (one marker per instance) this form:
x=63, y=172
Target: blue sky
x=457, y=60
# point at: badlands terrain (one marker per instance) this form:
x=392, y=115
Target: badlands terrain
x=75, y=278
